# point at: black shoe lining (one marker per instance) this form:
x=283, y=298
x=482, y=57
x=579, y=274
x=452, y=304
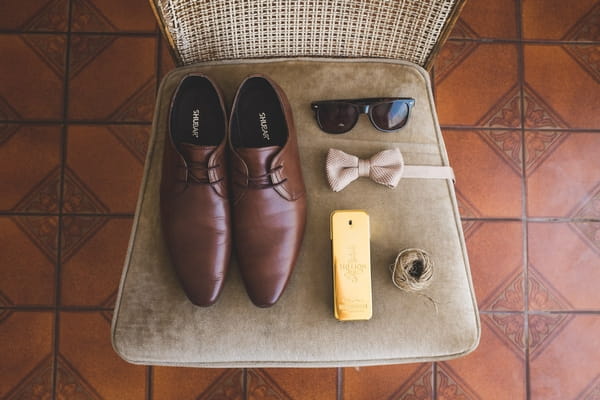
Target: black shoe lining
x=197, y=116
x=259, y=119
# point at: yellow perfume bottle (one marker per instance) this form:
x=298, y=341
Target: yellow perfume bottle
x=351, y=252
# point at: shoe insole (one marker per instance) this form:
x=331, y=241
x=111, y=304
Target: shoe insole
x=197, y=117
x=259, y=119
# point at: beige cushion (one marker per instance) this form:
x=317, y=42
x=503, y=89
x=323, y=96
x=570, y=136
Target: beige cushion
x=154, y=323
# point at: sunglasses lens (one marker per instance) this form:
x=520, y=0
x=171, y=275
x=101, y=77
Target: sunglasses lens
x=336, y=117
x=390, y=116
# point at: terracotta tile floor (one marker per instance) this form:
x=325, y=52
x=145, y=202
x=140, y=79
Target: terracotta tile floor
x=518, y=94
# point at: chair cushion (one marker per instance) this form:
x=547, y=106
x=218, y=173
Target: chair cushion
x=154, y=323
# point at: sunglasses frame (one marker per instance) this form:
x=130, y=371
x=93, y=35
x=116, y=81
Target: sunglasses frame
x=364, y=106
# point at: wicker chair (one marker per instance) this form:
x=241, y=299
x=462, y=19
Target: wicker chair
x=314, y=49
x=410, y=30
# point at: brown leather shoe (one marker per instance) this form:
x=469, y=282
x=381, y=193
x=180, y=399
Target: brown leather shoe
x=194, y=200
x=269, y=202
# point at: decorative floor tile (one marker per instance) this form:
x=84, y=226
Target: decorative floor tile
x=493, y=189
x=112, y=78
x=112, y=16
x=538, y=114
x=487, y=19
x=451, y=387
x=568, y=261
x=305, y=383
x=543, y=328
x=197, y=383
x=558, y=20
x=35, y=92
x=89, y=365
x=93, y=185
x=464, y=95
x=592, y=391
x=495, y=370
x=470, y=226
x=567, y=78
x=262, y=386
x=36, y=385
x=541, y=294
x=587, y=58
x=496, y=258
x=91, y=273
x=565, y=180
x=539, y=145
x=76, y=231
x=28, y=247
x=29, y=167
x=35, y=15
x=71, y=385
x=588, y=209
x=26, y=348
x=408, y=381
x=568, y=367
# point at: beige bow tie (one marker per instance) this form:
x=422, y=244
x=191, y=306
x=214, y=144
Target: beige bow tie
x=386, y=168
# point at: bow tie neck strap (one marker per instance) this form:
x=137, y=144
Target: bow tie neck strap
x=428, y=172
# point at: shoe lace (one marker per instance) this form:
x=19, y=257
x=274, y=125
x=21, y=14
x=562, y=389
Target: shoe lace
x=264, y=181
x=197, y=173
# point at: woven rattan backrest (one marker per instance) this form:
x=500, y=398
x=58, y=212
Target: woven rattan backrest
x=208, y=30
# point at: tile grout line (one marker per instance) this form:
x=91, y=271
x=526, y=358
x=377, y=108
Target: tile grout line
x=54, y=384
x=524, y=198
x=83, y=33
x=61, y=192
x=74, y=122
x=42, y=214
x=340, y=384
x=542, y=312
x=495, y=128
x=245, y=383
x=560, y=219
x=544, y=42
x=434, y=367
x=39, y=308
x=531, y=219
x=149, y=378
x=63, y=155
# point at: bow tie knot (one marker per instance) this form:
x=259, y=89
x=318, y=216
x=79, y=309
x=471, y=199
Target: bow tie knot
x=364, y=168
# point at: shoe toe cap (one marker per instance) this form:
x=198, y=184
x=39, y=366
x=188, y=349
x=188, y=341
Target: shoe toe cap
x=201, y=280
x=203, y=293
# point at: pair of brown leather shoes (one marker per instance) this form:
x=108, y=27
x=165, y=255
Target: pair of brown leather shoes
x=230, y=183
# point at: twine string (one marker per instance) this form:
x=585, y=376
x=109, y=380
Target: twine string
x=412, y=271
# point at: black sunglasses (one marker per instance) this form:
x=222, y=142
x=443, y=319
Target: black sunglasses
x=339, y=116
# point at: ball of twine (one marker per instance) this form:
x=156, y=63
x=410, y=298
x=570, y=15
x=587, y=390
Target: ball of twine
x=412, y=270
